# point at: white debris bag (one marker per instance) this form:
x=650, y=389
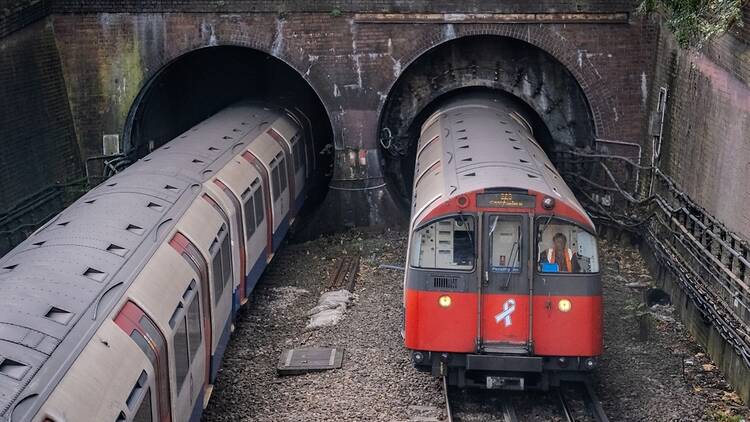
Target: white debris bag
x=330, y=309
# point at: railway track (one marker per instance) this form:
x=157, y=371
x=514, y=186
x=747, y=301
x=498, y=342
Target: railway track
x=574, y=402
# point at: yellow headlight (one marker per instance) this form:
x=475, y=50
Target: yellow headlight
x=564, y=305
x=444, y=301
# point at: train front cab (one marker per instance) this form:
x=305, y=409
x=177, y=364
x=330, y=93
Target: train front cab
x=489, y=308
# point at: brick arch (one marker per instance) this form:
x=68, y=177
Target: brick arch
x=595, y=91
x=257, y=40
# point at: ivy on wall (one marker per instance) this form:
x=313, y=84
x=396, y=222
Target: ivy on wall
x=694, y=22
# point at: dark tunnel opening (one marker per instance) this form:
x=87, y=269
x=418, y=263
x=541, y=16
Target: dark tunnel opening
x=542, y=88
x=202, y=82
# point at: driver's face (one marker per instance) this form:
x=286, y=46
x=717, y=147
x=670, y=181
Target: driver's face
x=559, y=242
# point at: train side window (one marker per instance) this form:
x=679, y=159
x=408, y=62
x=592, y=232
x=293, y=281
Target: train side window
x=145, y=410
x=249, y=213
x=445, y=244
x=259, y=214
x=565, y=248
x=283, y=174
x=181, y=356
x=299, y=161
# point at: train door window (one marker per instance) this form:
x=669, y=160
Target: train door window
x=194, y=326
x=299, y=159
x=445, y=244
x=181, y=355
x=145, y=410
x=275, y=180
x=283, y=174
x=565, y=248
x=226, y=260
x=259, y=214
x=504, y=244
x=249, y=207
x=217, y=270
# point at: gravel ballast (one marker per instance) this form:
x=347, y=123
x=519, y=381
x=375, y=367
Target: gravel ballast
x=638, y=380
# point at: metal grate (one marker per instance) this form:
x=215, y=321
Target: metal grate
x=445, y=283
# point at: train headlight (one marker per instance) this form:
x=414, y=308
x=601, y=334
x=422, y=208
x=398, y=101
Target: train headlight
x=445, y=301
x=564, y=305
x=548, y=202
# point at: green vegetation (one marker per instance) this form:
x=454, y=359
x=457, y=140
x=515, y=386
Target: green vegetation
x=336, y=13
x=694, y=22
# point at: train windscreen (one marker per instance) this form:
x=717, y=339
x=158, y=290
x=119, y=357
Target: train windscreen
x=565, y=248
x=445, y=244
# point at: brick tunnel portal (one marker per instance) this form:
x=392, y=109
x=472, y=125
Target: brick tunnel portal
x=544, y=90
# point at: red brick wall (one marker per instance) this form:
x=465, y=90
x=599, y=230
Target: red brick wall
x=706, y=144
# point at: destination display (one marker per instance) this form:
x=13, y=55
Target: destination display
x=505, y=200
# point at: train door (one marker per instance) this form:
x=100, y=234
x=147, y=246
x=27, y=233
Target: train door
x=149, y=338
x=505, y=309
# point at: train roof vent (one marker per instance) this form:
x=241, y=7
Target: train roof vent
x=467, y=159
x=461, y=130
x=13, y=369
x=197, y=161
x=154, y=206
x=458, y=122
x=463, y=138
x=59, y=315
x=9, y=268
x=169, y=187
x=516, y=148
x=213, y=149
x=236, y=130
x=531, y=176
x=90, y=201
x=134, y=229
x=226, y=137
x=111, y=185
x=470, y=174
x=117, y=250
x=95, y=274
x=165, y=147
x=63, y=224
x=40, y=243
x=522, y=161
x=464, y=146
x=512, y=139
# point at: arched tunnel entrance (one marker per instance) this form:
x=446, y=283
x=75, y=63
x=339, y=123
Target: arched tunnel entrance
x=199, y=83
x=543, y=88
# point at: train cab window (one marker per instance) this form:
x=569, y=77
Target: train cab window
x=145, y=411
x=565, y=248
x=299, y=158
x=504, y=244
x=445, y=244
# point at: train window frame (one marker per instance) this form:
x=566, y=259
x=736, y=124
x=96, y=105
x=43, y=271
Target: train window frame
x=283, y=179
x=181, y=371
x=473, y=269
x=564, y=220
x=218, y=273
x=276, y=182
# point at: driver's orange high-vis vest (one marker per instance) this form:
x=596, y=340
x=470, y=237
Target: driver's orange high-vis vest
x=568, y=258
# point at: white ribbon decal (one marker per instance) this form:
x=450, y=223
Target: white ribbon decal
x=508, y=307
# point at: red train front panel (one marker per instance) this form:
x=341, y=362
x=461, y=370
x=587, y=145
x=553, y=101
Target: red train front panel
x=498, y=248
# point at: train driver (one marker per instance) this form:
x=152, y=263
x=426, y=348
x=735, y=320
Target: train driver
x=559, y=258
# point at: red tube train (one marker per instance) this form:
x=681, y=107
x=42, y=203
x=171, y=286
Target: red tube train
x=502, y=287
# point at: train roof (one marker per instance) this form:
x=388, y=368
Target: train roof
x=480, y=142
x=58, y=286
